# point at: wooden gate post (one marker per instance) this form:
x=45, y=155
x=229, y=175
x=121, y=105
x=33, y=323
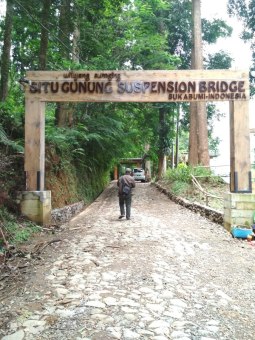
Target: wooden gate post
x=35, y=203
x=35, y=145
x=240, y=165
x=239, y=203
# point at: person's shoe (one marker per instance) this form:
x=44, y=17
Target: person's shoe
x=128, y=218
x=121, y=216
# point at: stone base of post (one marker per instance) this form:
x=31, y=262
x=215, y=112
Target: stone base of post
x=36, y=206
x=238, y=209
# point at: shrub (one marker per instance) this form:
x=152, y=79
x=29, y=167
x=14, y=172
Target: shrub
x=183, y=173
x=16, y=231
x=179, y=188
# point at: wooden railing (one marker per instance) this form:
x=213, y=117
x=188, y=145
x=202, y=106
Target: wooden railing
x=205, y=193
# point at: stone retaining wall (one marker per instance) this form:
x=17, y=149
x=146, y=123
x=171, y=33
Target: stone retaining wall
x=63, y=215
x=211, y=214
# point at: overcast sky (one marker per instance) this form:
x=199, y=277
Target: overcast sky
x=238, y=50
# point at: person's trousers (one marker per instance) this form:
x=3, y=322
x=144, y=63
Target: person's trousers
x=125, y=201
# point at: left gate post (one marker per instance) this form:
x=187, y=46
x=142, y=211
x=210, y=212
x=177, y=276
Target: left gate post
x=35, y=203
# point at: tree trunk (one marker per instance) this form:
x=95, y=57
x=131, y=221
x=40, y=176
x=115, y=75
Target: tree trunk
x=198, y=147
x=5, y=60
x=44, y=34
x=76, y=39
x=177, y=136
x=193, y=135
x=203, y=150
x=161, y=153
x=63, y=109
x=161, y=160
x=64, y=27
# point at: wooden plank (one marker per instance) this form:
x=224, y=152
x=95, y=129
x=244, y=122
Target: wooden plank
x=138, y=86
x=239, y=147
x=35, y=144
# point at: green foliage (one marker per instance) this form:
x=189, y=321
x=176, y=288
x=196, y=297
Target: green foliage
x=6, y=142
x=11, y=120
x=179, y=187
x=183, y=173
x=180, y=31
x=214, y=146
x=200, y=171
x=238, y=8
x=16, y=231
x=91, y=184
x=12, y=176
x=86, y=152
x=165, y=130
x=180, y=178
x=219, y=60
x=212, y=30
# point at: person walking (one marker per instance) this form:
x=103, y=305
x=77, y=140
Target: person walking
x=125, y=184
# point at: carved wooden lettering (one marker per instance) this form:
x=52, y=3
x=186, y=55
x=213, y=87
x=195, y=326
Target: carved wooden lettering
x=139, y=86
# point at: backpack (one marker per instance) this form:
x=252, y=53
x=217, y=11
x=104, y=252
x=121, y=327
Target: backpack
x=126, y=190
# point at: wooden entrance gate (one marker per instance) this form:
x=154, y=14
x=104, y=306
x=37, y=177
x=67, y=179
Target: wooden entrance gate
x=138, y=86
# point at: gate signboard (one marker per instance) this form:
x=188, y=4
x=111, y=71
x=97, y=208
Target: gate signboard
x=139, y=86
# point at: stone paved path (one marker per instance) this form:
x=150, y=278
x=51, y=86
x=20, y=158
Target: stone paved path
x=165, y=274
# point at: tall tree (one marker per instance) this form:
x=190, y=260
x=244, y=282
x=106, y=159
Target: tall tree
x=179, y=24
x=64, y=111
x=198, y=147
x=44, y=34
x=5, y=58
x=76, y=37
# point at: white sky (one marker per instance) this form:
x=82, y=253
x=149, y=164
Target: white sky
x=241, y=53
x=238, y=50
x=2, y=6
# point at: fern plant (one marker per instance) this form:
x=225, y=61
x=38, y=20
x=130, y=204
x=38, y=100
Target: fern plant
x=6, y=142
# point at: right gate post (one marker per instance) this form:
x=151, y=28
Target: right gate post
x=239, y=203
x=240, y=164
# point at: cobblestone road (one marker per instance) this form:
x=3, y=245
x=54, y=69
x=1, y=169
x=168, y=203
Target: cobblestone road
x=165, y=274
